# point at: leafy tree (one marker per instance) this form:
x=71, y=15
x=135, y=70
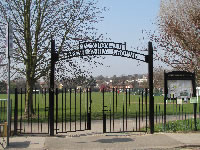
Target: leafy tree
x=178, y=36
x=34, y=22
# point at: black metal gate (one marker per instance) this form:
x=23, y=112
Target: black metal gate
x=26, y=122
x=100, y=48
x=127, y=113
x=73, y=110
x=124, y=110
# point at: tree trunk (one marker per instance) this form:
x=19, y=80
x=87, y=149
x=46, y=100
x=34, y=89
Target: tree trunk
x=29, y=98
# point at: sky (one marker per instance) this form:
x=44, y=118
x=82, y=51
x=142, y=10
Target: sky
x=124, y=22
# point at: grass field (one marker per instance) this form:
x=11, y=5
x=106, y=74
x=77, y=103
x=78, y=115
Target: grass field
x=97, y=102
x=178, y=126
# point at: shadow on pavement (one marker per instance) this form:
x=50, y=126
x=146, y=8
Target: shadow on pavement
x=24, y=144
x=114, y=140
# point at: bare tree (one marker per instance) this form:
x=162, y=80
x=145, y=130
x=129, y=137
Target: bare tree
x=177, y=39
x=158, y=78
x=34, y=22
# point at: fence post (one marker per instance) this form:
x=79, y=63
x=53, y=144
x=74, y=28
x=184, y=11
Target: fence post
x=195, y=104
x=90, y=108
x=165, y=98
x=104, y=115
x=151, y=100
x=16, y=112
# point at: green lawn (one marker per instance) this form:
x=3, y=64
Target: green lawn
x=178, y=126
x=97, y=102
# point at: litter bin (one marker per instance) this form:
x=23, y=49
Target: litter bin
x=4, y=125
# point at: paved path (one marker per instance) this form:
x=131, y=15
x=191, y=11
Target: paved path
x=127, y=141
x=95, y=139
x=97, y=125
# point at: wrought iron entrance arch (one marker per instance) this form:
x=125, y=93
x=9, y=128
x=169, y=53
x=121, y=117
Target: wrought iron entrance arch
x=103, y=48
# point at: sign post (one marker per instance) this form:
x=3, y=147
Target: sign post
x=9, y=51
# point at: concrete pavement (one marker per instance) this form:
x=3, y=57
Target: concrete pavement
x=85, y=141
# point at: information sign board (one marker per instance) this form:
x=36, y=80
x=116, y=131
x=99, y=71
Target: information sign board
x=193, y=100
x=179, y=101
x=9, y=40
x=180, y=88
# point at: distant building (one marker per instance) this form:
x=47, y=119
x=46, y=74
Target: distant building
x=143, y=79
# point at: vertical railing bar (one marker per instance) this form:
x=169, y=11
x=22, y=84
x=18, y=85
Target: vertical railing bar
x=62, y=109
x=87, y=107
x=199, y=110
x=159, y=113
x=136, y=120
x=85, y=120
x=185, y=120
x=191, y=123
x=48, y=109
x=31, y=118
x=45, y=92
x=188, y=120
x=113, y=109
x=1, y=110
x=110, y=118
x=70, y=111
x=126, y=110
x=179, y=111
x=142, y=105
x=10, y=116
x=103, y=113
x=38, y=116
x=1, y=116
x=116, y=98
x=85, y=110
x=146, y=106
x=156, y=113
x=176, y=108
x=35, y=100
x=80, y=108
x=65, y=108
x=24, y=107
x=182, y=111
x=42, y=115
x=90, y=108
x=173, y=103
x=129, y=97
x=139, y=114
x=123, y=115
x=41, y=127
x=15, y=113
x=75, y=109
x=42, y=108
x=56, y=110
x=21, y=114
